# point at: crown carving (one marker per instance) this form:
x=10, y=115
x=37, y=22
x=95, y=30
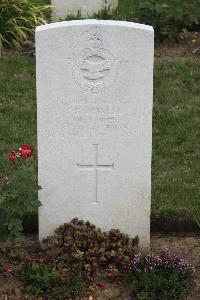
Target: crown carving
x=95, y=41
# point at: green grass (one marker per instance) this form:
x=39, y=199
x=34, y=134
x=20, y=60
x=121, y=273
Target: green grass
x=176, y=127
x=17, y=107
x=176, y=138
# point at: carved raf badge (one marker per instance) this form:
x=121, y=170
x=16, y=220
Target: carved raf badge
x=95, y=69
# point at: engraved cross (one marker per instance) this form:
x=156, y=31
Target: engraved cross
x=96, y=167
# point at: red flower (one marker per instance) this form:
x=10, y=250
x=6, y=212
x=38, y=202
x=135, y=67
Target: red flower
x=26, y=150
x=7, y=270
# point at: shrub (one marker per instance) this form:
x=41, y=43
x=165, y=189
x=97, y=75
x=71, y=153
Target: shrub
x=18, y=198
x=18, y=19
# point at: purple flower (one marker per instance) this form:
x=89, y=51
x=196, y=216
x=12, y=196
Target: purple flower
x=165, y=261
x=134, y=264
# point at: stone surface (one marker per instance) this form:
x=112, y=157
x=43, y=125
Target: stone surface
x=85, y=8
x=94, y=99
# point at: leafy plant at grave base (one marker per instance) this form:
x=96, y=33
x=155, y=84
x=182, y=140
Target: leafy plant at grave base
x=42, y=280
x=39, y=279
x=67, y=272
x=18, y=197
x=86, y=247
x=18, y=19
x=76, y=286
x=159, y=277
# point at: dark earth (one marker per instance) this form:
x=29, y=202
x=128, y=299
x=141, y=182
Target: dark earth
x=187, y=45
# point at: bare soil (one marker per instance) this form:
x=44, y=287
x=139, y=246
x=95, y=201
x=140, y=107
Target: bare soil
x=187, y=46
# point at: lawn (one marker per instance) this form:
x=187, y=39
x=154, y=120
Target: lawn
x=176, y=141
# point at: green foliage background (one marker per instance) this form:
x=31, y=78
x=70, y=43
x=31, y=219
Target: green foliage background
x=168, y=17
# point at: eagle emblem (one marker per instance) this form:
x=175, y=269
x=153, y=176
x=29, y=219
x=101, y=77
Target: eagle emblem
x=95, y=71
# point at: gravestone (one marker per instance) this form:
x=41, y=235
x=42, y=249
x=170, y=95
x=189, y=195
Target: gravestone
x=94, y=102
x=63, y=8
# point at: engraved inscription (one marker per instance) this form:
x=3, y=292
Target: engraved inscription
x=95, y=69
x=96, y=167
x=100, y=119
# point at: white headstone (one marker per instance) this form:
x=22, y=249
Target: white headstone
x=63, y=8
x=94, y=99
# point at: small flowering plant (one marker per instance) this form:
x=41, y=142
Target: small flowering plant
x=19, y=193
x=165, y=260
x=163, y=276
x=169, y=262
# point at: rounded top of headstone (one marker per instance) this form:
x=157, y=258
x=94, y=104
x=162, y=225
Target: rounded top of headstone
x=88, y=22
